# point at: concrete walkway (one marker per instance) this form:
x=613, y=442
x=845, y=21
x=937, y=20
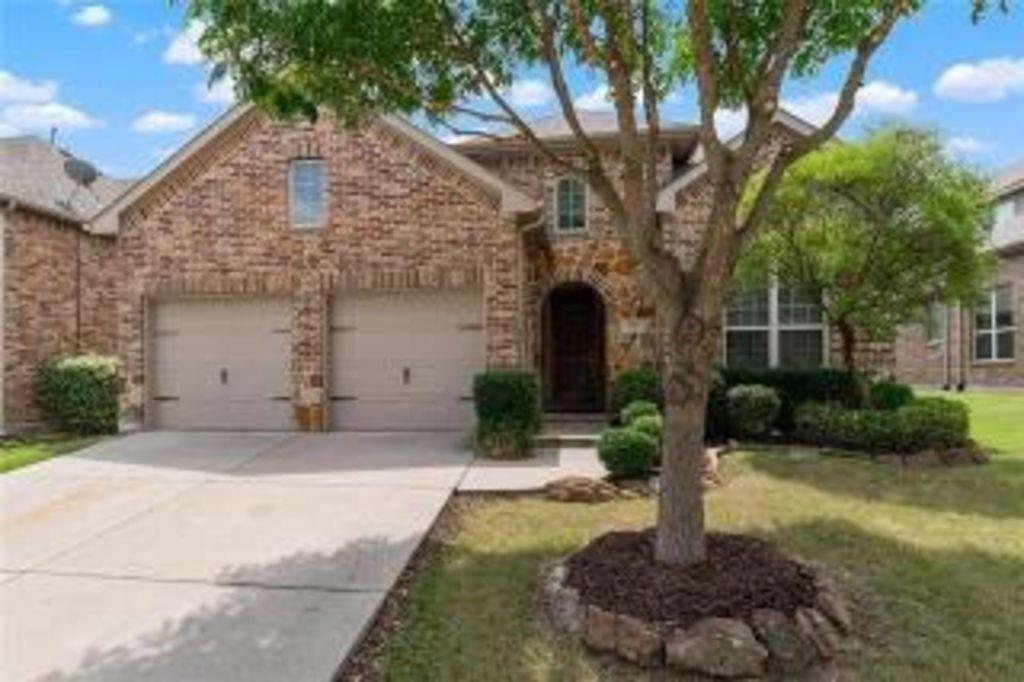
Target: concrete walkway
x=531, y=474
x=193, y=557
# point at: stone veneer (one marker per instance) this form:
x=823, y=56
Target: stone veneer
x=58, y=300
x=397, y=218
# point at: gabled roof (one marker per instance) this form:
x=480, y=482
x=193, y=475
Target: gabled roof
x=1009, y=180
x=667, y=196
x=32, y=175
x=512, y=200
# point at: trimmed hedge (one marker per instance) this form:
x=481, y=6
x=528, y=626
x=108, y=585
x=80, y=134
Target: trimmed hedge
x=79, y=393
x=890, y=395
x=716, y=415
x=797, y=386
x=650, y=424
x=627, y=452
x=637, y=408
x=924, y=424
x=642, y=383
x=752, y=410
x=507, y=412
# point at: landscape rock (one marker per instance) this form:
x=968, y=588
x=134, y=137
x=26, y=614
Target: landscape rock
x=817, y=628
x=583, y=489
x=835, y=609
x=709, y=475
x=565, y=610
x=599, y=629
x=722, y=647
x=639, y=641
x=789, y=650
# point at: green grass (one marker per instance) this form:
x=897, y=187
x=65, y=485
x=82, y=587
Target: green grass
x=20, y=452
x=935, y=559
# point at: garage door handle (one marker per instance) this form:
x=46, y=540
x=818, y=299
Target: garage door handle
x=406, y=375
x=224, y=376
x=281, y=398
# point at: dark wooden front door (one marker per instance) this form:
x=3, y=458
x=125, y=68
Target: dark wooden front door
x=575, y=350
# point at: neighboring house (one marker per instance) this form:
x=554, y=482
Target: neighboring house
x=963, y=346
x=57, y=280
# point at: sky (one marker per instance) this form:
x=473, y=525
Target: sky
x=125, y=85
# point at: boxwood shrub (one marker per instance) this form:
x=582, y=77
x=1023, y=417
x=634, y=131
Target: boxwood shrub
x=507, y=412
x=627, y=452
x=716, y=415
x=927, y=423
x=752, y=410
x=890, y=395
x=641, y=383
x=650, y=424
x=797, y=386
x=637, y=408
x=79, y=393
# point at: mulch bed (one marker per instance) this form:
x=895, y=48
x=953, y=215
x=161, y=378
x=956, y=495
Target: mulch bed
x=617, y=572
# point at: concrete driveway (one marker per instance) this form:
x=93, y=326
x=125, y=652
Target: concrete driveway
x=214, y=556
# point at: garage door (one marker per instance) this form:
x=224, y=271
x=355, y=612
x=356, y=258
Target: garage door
x=222, y=364
x=405, y=361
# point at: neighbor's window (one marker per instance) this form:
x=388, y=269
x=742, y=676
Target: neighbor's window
x=774, y=326
x=307, y=192
x=935, y=322
x=570, y=205
x=994, y=325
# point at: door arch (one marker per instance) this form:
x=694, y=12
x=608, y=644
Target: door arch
x=573, y=343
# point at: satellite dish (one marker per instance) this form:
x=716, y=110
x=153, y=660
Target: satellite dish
x=82, y=172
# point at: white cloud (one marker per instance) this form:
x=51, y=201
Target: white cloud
x=965, y=145
x=92, y=15
x=729, y=122
x=184, y=47
x=988, y=80
x=40, y=117
x=163, y=122
x=881, y=96
x=221, y=92
x=598, y=99
x=15, y=89
x=143, y=37
x=812, y=108
x=530, y=93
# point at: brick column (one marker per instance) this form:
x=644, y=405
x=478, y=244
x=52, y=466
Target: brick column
x=309, y=355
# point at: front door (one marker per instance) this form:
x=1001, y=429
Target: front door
x=575, y=355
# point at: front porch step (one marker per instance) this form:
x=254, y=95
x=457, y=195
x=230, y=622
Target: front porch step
x=566, y=430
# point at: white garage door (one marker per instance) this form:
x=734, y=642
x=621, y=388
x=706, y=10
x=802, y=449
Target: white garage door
x=222, y=364
x=405, y=361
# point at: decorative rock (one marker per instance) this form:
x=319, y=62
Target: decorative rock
x=599, y=629
x=709, y=474
x=834, y=608
x=816, y=627
x=565, y=610
x=582, y=489
x=722, y=647
x=790, y=651
x=638, y=641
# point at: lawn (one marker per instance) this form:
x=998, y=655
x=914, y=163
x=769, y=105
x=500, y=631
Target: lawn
x=19, y=452
x=934, y=558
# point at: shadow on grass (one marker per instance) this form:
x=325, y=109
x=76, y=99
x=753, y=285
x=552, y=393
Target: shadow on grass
x=995, y=490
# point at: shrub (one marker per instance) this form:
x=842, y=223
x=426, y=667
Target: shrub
x=752, y=410
x=641, y=383
x=507, y=412
x=923, y=424
x=79, y=393
x=637, y=408
x=650, y=424
x=716, y=416
x=627, y=452
x=890, y=395
x=798, y=386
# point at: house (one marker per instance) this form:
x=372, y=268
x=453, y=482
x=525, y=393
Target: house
x=977, y=344
x=57, y=280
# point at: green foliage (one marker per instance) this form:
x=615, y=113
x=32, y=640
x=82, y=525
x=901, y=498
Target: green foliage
x=627, y=452
x=923, y=424
x=890, y=395
x=649, y=424
x=507, y=411
x=716, y=416
x=881, y=227
x=637, y=408
x=639, y=384
x=797, y=386
x=753, y=409
x=79, y=394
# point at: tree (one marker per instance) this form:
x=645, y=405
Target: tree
x=440, y=57
x=882, y=228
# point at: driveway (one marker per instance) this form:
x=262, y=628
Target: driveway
x=213, y=556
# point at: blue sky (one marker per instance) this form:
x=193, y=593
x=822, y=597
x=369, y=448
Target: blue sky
x=122, y=81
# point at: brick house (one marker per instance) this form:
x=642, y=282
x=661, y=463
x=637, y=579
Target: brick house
x=978, y=344
x=57, y=280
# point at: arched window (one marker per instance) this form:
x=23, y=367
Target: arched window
x=570, y=205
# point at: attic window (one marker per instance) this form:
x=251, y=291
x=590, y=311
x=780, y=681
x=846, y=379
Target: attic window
x=307, y=193
x=570, y=205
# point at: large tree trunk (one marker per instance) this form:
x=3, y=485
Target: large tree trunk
x=848, y=348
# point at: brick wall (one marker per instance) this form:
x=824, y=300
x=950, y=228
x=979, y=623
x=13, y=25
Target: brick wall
x=59, y=299
x=398, y=218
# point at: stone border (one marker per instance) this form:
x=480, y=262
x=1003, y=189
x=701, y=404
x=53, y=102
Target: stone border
x=771, y=644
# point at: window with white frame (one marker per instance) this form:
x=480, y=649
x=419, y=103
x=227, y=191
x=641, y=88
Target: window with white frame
x=995, y=325
x=307, y=193
x=570, y=205
x=774, y=326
